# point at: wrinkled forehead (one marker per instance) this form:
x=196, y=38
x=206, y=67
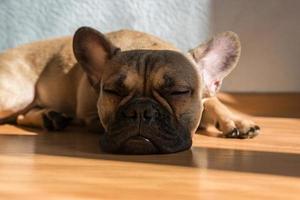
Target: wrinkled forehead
x=155, y=66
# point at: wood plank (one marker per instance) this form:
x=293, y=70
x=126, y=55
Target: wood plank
x=69, y=165
x=264, y=104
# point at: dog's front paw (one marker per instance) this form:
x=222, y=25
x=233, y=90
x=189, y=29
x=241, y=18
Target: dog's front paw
x=55, y=121
x=238, y=128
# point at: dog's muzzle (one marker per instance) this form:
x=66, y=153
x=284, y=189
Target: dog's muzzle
x=140, y=112
x=142, y=126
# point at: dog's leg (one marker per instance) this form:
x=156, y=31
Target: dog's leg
x=17, y=81
x=44, y=118
x=231, y=125
x=14, y=96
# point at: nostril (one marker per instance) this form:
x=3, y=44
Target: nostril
x=140, y=111
x=149, y=114
x=130, y=114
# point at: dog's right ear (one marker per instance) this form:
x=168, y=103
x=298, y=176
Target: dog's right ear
x=92, y=50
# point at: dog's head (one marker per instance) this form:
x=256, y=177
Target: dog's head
x=150, y=100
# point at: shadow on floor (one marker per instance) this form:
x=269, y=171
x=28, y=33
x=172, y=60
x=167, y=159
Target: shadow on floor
x=85, y=145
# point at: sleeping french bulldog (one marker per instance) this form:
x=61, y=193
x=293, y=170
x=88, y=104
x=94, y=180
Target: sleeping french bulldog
x=141, y=92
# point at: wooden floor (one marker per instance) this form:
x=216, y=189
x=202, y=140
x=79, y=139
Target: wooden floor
x=69, y=165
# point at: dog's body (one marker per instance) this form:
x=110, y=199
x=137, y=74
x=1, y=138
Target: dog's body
x=49, y=71
x=43, y=85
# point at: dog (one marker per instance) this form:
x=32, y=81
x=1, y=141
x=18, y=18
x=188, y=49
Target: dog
x=143, y=93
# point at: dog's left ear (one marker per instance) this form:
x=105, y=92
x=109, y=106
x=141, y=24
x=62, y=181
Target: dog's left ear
x=215, y=59
x=92, y=50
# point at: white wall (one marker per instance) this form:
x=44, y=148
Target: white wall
x=269, y=30
x=183, y=22
x=270, y=34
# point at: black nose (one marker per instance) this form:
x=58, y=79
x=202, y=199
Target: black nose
x=141, y=110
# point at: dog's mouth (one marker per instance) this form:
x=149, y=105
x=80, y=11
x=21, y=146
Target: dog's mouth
x=138, y=145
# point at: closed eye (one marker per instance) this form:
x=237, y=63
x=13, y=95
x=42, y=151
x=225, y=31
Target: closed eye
x=112, y=92
x=180, y=92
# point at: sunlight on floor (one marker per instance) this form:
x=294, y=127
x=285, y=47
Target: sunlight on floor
x=13, y=130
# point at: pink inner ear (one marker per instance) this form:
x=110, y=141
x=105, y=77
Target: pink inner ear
x=220, y=50
x=211, y=86
x=216, y=63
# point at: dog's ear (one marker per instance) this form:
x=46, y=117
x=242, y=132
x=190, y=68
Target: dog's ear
x=92, y=50
x=215, y=59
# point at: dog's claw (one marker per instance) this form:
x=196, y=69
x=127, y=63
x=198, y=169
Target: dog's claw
x=235, y=133
x=252, y=129
x=253, y=132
